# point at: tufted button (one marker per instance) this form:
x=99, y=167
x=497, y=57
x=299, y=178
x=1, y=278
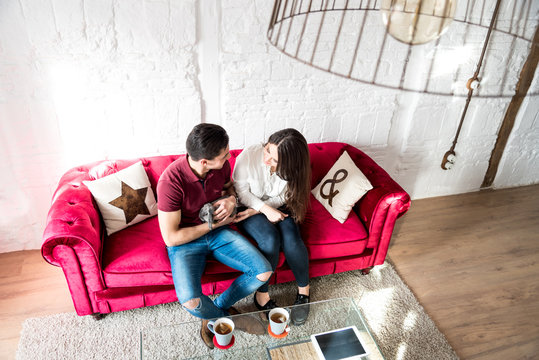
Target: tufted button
x=75, y=185
x=70, y=223
x=70, y=203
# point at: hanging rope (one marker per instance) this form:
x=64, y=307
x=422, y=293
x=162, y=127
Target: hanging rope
x=471, y=85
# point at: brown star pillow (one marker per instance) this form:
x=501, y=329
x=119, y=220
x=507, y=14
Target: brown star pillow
x=124, y=198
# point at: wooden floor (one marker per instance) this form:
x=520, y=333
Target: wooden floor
x=472, y=260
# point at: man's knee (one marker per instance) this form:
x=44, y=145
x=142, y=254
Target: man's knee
x=191, y=304
x=264, y=276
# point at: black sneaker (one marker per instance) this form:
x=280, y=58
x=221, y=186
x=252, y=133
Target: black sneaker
x=300, y=313
x=268, y=306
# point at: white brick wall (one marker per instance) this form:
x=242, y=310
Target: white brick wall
x=89, y=80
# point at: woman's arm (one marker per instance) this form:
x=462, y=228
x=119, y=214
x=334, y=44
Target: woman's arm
x=247, y=170
x=246, y=197
x=273, y=215
x=244, y=171
x=277, y=201
x=271, y=205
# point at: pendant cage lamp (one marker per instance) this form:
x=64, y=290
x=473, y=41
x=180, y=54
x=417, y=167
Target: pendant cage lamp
x=440, y=47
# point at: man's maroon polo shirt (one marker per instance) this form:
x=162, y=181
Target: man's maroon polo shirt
x=179, y=188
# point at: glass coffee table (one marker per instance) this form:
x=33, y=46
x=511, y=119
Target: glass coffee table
x=182, y=341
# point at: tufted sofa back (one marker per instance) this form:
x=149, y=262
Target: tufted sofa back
x=71, y=189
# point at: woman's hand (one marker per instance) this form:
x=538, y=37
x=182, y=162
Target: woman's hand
x=273, y=214
x=242, y=215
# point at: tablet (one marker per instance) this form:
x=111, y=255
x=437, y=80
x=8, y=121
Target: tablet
x=339, y=344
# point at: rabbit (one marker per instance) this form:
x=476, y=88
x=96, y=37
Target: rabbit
x=206, y=212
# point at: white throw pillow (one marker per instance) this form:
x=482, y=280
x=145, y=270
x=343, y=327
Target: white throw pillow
x=124, y=198
x=341, y=188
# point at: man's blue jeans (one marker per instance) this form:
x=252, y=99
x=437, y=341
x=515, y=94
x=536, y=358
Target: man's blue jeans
x=271, y=238
x=227, y=246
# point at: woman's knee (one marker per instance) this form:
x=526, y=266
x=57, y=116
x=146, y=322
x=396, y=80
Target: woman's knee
x=269, y=245
x=269, y=241
x=289, y=228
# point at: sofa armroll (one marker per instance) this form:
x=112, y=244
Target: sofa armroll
x=381, y=206
x=73, y=240
x=378, y=204
x=380, y=212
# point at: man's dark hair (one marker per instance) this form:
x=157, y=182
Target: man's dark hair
x=206, y=141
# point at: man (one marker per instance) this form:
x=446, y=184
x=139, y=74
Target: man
x=203, y=176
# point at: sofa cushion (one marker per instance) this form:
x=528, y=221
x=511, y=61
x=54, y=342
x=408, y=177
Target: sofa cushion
x=326, y=237
x=137, y=256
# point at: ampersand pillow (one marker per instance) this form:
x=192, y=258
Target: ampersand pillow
x=124, y=198
x=341, y=188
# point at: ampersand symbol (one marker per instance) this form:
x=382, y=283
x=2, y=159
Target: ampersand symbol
x=333, y=181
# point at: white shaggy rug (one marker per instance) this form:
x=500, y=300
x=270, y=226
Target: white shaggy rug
x=398, y=322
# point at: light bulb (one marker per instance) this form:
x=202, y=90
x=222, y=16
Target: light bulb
x=417, y=21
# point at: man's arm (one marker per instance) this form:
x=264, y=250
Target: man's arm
x=173, y=235
x=229, y=188
x=225, y=207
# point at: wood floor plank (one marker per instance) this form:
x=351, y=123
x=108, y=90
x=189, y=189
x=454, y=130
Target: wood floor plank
x=472, y=260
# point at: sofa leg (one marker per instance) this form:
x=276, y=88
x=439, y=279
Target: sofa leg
x=98, y=316
x=366, y=271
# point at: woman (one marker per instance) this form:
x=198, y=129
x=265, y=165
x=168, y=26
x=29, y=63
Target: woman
x=273, y=182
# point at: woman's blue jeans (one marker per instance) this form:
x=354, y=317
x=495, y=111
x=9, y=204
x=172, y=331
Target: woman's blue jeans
x=227, y=246
x=272, y=237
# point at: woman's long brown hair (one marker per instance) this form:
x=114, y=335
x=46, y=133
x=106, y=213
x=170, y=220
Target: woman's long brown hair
x=294, y=166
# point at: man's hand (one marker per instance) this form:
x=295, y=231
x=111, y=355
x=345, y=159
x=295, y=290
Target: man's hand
x=273, y=214
x=224, y=208
x=225, y=221
x=242, y=215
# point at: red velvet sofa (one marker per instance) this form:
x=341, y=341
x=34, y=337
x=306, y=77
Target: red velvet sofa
x=130, y=268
